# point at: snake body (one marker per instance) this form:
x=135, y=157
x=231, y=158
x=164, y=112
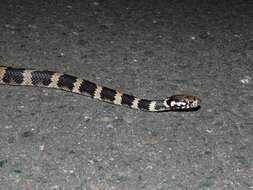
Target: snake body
x=51, y=79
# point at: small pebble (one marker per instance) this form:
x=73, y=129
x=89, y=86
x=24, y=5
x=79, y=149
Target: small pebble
x=245, y=80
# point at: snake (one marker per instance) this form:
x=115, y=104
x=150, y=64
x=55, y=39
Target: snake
x=51, y=79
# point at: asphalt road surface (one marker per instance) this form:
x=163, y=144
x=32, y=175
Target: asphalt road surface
x=54, y=140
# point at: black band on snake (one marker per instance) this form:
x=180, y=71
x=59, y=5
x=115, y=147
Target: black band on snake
x=51, y=79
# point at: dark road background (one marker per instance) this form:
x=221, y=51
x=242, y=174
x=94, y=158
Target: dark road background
x=56, y=140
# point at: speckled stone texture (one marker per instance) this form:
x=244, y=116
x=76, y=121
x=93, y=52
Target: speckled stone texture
x=55, y=140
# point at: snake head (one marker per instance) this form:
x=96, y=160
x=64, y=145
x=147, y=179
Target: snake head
x=183, y=102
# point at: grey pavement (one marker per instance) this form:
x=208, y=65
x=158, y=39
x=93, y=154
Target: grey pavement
x=50, y=139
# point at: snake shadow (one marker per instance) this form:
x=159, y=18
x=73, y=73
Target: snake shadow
x=188, y=110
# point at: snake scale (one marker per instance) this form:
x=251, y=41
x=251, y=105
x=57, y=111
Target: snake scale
x=51, y=79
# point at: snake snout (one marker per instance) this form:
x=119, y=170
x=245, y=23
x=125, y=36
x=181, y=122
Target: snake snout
x=196, y=102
